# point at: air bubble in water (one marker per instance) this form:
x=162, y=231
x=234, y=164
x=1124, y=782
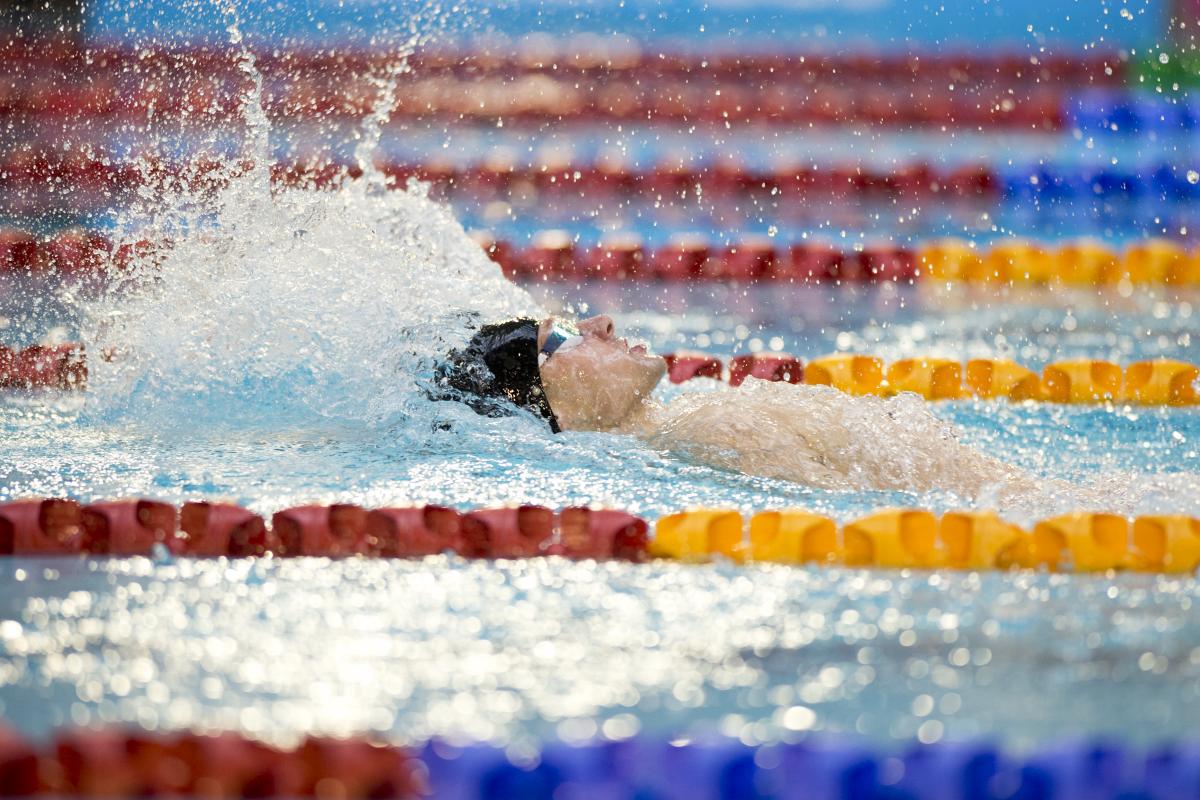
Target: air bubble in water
x=1193, y=176
x=1163, y=58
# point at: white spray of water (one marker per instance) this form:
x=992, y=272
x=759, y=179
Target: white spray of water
x=269, y=301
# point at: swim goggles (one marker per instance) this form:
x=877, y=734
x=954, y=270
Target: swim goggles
x=563, y=336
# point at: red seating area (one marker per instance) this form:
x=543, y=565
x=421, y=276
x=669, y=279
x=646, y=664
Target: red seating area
x=52, y=526
x=114, y=763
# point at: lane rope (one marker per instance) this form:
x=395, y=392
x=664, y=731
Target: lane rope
x=556, y=256
x=1011, y=90
x=1154, y=382
x=498, y=174
x=887, y=539
x=115, y=762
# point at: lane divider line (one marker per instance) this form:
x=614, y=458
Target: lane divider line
x=1155, y=382
x=555, y=256
x=894, y=538
x=114, y=762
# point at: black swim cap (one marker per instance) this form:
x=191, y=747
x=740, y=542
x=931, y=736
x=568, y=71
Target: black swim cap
x=499, y=363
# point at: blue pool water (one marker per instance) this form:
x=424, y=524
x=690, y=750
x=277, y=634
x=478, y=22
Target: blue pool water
x=276, y=358
x=518, y=652
x=521, y=652
x=879, y=24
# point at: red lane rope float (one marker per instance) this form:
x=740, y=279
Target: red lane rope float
x=684, y=366
x=110, y=762
x=73, y=252
x=552, y=255
x=204, y=530
x=223, y=529
x=591, y=56
x=765, y=366
x=498, y=175
x=126, y=527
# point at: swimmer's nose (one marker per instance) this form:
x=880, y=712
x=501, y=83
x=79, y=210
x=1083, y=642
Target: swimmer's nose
x=600, y=326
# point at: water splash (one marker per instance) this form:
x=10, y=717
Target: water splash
x=273, y=302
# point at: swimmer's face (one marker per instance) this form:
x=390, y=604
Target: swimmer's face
x=599, y=382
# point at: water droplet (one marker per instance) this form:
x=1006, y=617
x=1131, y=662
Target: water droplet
x=1193, y=176
x=1163, y=58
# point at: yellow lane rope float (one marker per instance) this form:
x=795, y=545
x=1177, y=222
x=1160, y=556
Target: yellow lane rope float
x=1077, y=263
x=1156, y=382
x=916, y=538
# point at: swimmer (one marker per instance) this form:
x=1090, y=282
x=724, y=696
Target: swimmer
x=584, y=377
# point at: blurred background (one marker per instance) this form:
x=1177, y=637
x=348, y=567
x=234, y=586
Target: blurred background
x=548, y=124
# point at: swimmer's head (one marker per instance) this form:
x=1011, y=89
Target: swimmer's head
x=576, y=377
x=599, y=380
x=499, y=364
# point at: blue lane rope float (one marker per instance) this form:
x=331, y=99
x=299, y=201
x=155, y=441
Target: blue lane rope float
x=114, y=762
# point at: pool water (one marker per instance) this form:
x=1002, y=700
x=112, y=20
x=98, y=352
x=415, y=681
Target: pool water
x=279, y=356
x=518, y=652
x=245, y=438
x=524, y=651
